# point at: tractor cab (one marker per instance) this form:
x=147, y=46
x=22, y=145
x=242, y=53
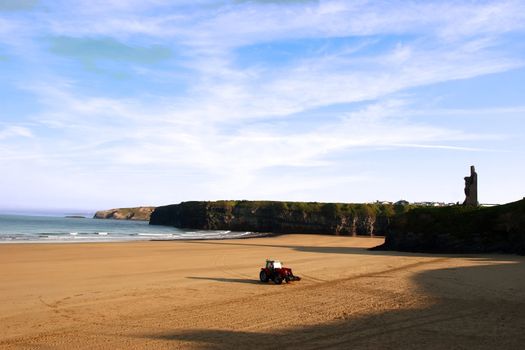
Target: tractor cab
x=273, y=264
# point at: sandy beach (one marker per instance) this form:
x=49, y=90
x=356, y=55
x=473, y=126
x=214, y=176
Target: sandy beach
x=206, y=295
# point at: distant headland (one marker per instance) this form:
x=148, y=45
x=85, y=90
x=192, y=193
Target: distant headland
x=137, y=213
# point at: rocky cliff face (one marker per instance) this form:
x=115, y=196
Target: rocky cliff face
x=277, y=217
x=460, y=229
x=455, y=229
x=139, y=213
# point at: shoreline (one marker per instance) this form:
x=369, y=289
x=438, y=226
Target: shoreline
x=137, y=240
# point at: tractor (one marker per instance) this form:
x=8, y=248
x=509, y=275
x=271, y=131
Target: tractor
x=275, y=271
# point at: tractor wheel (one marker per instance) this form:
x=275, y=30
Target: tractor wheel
x=263, y=277
x=277, y=279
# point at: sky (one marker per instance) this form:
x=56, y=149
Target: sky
x=120, y=103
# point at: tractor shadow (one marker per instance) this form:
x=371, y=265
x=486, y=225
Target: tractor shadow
x=475, y=307
x=228, y=280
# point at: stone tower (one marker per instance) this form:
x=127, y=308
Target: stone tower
x=471, y=188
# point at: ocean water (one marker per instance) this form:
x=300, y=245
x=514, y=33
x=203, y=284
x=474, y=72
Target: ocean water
x=27, y=228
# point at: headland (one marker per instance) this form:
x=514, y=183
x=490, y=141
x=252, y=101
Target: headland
x=136, y=213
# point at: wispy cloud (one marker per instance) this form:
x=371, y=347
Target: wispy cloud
x=106, y=129
x=91, y=50
x=205, y=96
x=14, y=131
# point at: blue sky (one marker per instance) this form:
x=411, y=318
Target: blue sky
x=122, y=103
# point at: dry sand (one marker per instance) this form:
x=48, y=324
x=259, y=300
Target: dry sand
x=206, y=295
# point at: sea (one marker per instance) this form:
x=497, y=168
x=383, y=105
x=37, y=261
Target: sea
x=31, y=228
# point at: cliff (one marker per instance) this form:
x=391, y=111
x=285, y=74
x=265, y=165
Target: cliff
x=278, y=217
x=453, y=229
x=459, y=229
x=139, y=213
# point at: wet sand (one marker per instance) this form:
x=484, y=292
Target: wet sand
x=206, y=295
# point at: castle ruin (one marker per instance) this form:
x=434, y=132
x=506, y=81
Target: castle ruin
x=471, y=188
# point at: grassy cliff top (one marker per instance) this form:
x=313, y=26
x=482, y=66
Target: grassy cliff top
x=329, y=209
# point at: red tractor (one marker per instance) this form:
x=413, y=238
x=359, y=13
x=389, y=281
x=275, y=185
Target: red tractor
x=277, y=273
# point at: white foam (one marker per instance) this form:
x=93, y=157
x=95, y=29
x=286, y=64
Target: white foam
x=102, y=233
x=156, y=234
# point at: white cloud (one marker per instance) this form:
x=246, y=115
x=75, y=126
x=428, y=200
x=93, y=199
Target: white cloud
x=233, y=124
x=14, y=131
x=122, y=133
x=222, y=25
